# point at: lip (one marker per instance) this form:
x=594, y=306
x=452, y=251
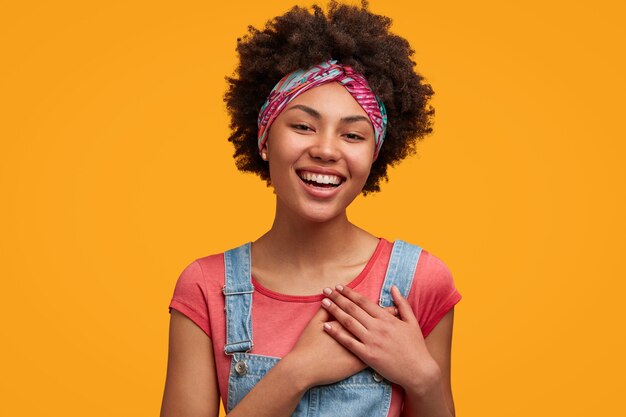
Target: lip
x=319, y=192
x=323, y=171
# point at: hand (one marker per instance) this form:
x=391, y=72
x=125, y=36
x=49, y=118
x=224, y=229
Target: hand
x=393, y=346
x=321, y=359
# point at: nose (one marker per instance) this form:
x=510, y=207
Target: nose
x=325, y=147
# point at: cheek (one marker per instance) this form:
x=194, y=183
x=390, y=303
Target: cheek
x=361, y=166
x=284, y=145
x=280, y=162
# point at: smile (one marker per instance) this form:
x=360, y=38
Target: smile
x=320, y=180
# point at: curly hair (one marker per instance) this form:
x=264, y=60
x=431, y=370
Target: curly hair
x=353, y=36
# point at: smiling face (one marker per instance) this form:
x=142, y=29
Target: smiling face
x=320, y=151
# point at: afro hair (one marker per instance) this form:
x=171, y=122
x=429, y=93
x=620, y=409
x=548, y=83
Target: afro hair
x=353, y=36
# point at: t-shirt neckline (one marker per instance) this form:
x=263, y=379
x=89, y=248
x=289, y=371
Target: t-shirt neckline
x=318, y=297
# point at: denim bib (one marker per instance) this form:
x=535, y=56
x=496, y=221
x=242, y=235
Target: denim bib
x=364, y=394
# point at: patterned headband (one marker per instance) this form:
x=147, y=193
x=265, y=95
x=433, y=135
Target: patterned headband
x=299, y=81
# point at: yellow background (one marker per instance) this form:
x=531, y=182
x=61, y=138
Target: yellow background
x=115, y=173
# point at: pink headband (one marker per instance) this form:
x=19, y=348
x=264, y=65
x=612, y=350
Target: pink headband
x=299, y=81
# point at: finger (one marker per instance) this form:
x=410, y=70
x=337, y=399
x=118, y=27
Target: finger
x=367, y=305
x=346, y=319
x=406, y=312
x=345, y=338
x=392, y=310
x=349, y=306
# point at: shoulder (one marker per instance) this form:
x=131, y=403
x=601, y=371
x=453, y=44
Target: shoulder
x=198, y=287
x=433, y=279
x=211, y=265
x=433, y=292
x=199, y=280
x=429, y=270
x=201, y=271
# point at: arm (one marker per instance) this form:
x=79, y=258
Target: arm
x=191, y=388
x=439, y=344
x=278, y=393
x=396, y=349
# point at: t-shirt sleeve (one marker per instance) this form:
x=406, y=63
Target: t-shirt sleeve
x=190, y=296
x=435, y=291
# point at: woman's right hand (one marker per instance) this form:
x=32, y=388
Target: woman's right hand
x=319, y=358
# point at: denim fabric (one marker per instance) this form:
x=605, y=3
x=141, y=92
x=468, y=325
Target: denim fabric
x=238, y=291
x=400, y=271
x=363, y=394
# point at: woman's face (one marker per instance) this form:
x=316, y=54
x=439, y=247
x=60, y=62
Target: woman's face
x=320, y=151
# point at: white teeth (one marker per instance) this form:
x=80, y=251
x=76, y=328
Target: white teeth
x=320, y=178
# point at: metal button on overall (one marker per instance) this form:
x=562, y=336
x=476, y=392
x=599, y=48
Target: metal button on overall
x=377, y=377
x=241, y=367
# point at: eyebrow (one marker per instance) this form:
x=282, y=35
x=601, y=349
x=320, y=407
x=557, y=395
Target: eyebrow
x=317, y=115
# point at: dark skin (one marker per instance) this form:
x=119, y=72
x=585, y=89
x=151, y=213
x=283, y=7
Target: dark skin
x=379, y=339
x=310, y=237
x=191, y=387
x=353, y=36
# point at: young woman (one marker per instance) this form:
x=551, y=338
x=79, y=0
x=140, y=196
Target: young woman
x=317, y=317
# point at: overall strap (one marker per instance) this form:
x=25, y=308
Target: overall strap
x=238, y=291
x=400, y=271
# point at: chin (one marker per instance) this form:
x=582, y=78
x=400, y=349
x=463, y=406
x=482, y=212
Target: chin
x=321, y=216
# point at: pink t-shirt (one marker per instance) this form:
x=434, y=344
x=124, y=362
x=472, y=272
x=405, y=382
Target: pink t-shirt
x=279, y=319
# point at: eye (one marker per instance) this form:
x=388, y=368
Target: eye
x=302, y=127
x=354, y=136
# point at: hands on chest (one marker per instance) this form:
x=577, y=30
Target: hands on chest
x=352, y=332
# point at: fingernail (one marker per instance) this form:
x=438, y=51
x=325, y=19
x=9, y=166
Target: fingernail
x=339, y=287
x=327, y=291
x=395, y=311
x=326, y=302
x=327, y=326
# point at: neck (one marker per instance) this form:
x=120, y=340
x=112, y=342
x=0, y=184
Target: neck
x=298, y=243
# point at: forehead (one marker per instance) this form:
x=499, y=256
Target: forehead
x=330, y=99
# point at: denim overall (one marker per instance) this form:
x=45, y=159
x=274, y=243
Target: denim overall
x=364, y=394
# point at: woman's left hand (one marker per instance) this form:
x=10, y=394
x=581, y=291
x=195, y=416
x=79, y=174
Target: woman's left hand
x=393, y=346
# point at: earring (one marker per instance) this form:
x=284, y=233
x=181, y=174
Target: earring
x=264, y=155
